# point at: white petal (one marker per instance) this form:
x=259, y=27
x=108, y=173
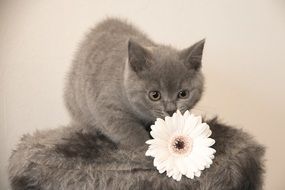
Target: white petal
x=208, y=133
x=205, y=150
x=156, y=162
x=209, y=141
x=209, y=160
x=159, y=143
x=162, y=167
x=180, y=163
x=190, y=169
x=170, y=173
x=170, y=123
x=160, y=134
x=205, y=142
x=191, y=123
x=150, y=141
x=198, y=173
x=199, y=129
x=211, y=151
x=169, y=164
x=192, y=165
x=188, y=126
x=186, y=114
x=177, y=176
x=190, y=174
x=196, y=119
x=199, y=161
x=179, y=113
x=160, y=122
x=180, y=126
x=161, y=171
x=149, y=153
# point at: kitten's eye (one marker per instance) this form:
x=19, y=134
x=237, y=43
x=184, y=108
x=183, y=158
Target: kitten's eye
x=183, y=94
x=154, y=95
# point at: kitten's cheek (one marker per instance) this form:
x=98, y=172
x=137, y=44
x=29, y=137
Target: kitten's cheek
x=154, y=115
x=161, y=115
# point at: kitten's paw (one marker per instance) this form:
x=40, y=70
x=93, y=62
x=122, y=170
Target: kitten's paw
x=132, y=142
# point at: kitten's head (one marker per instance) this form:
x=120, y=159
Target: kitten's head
x=159, y=80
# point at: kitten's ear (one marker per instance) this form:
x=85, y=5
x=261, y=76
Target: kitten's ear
x=192, y=56
x=139, y=57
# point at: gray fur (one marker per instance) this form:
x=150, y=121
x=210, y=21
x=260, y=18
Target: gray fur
x=107, y=96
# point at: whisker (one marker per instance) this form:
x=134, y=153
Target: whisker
x=183, y=108
x=159, y=113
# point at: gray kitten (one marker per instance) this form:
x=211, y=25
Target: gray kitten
x=131, y=81
x=119, y=84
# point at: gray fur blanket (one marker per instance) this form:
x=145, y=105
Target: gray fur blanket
x=71, y=158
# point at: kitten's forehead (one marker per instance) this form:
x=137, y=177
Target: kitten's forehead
x=164, y=54
x=169, y=78
x=167, y=64
x=167, y=70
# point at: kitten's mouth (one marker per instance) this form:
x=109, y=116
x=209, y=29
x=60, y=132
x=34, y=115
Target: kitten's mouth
x=170, y=114
x=164, y=114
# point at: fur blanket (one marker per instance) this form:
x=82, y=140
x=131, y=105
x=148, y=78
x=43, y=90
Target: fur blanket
x=73, y=158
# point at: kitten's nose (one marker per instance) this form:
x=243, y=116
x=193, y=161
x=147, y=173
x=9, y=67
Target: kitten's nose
x=170, y=112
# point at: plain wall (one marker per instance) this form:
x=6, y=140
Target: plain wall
x=244, y=62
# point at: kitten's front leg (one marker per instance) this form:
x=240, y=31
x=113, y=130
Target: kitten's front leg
x=126, y=132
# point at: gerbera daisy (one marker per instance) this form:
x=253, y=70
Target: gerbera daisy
x=181, y=145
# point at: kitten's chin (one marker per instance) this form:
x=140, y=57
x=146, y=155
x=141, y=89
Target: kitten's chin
x=183, y=111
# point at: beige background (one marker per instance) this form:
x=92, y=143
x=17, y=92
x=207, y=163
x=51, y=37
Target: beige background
x=244, y=62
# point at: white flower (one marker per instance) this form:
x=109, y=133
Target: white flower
x=180, y=145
